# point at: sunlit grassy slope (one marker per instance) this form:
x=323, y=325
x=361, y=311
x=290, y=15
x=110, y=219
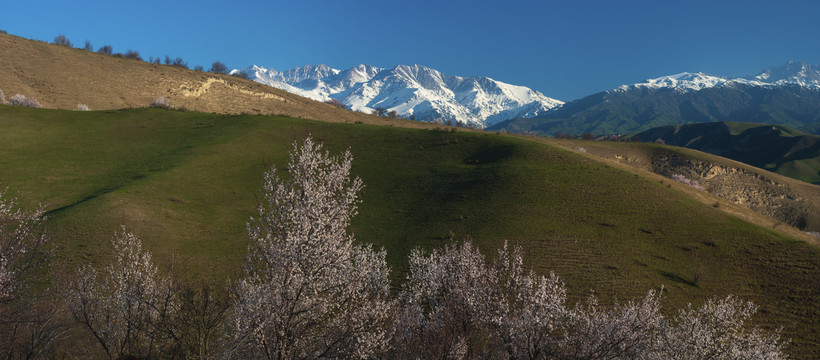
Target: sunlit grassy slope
x=187, y=183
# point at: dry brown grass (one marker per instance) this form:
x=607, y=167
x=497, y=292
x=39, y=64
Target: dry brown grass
x=60, y=77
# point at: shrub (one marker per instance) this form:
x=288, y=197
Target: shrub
x=125, y=307
x=131, y=54
x=22, y=241
x=88, y=46
x=684, y=180
x=241, y=74
x=82, y=107
x=336, y=103
x=161, y=102
x=30, y=323
x=219, y=67
x=178, y=62
x=22, y=100
x=199, y=68
x=106, y=49
x=62, y=40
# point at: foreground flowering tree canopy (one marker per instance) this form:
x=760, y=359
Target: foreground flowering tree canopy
x=309, y=291
x=21, y=246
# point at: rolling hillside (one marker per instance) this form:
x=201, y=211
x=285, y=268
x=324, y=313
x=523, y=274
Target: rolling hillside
x=775, y=148
x=605, y=218
x=186, y=183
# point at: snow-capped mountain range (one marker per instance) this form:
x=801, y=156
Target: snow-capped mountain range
x=415, y=91
x=788, y=95
x=426, y=94
x=793, y=73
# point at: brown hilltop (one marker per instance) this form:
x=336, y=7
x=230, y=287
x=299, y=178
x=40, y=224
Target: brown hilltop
x=61, y=77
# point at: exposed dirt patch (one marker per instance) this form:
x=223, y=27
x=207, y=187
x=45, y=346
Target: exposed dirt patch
x=197, y=91
x=759, y=193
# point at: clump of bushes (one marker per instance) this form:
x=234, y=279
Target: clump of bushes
x=161, y=103
x=62, y=40
x=178, y=62
x=241, y=74
x=686, y=181
x=219, y=67
x=131, y=54
x=336, y=103
x=106, y=49
x=22, y=100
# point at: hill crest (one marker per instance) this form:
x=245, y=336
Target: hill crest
x=60, y=77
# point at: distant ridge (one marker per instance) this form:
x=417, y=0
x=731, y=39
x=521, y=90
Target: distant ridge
x=788, y=95
x=415, y=91
x=772, y=147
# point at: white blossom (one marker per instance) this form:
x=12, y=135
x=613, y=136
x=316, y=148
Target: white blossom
x=310, y=292
x=716, y=331
x=21, y=245
x=126, y=306
x=453, y=305
x=22, y=100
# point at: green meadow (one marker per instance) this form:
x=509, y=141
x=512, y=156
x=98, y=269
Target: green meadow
x=187, y=183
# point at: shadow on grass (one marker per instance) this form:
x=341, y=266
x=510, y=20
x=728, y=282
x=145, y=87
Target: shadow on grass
x=678, y=279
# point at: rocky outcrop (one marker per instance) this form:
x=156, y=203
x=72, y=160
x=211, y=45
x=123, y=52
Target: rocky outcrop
x=759, y=193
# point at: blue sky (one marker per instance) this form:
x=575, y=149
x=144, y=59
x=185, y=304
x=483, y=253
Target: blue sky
x=564, y=49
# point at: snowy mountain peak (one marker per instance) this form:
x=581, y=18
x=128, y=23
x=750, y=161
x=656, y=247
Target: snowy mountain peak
x=685, y=81
x=412, y=91
x=792, y=73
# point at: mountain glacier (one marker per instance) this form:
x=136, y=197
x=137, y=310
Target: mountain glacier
x=412, y=91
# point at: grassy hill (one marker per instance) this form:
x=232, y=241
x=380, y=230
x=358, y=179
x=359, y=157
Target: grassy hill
x=187, y=182
x=776, y=148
